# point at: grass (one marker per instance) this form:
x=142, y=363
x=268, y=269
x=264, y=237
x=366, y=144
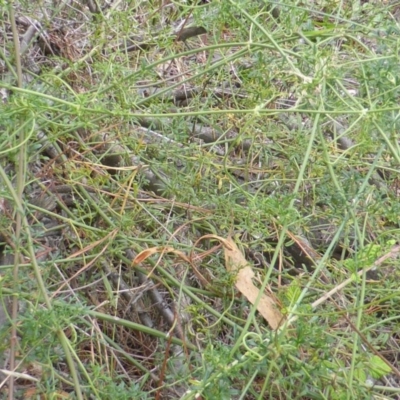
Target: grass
x=276, y=128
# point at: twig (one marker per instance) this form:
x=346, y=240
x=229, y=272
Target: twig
x=392, y=253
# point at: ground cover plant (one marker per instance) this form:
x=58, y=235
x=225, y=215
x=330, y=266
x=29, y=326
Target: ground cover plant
x=199, y=200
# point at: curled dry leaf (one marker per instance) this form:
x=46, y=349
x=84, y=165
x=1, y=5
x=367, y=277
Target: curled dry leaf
x=143, y=255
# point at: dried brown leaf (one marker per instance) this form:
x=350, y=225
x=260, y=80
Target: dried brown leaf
x=236, y=262
x=145, y=254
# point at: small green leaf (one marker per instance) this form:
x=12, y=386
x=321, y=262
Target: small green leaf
x=360, y=374
x=378, y=367
x=293, y=292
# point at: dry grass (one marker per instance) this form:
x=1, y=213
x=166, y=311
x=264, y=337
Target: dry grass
x=152, y=126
